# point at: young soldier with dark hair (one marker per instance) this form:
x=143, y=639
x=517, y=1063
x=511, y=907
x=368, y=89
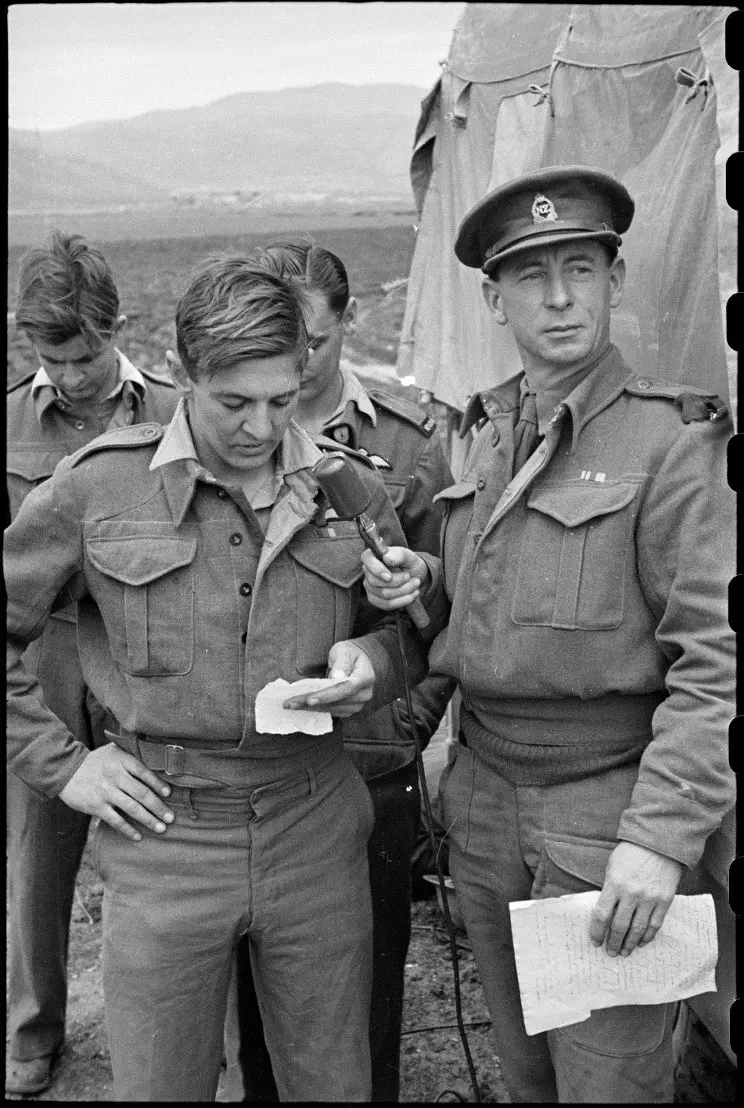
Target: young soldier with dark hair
x=68, y=306
x=206, y=564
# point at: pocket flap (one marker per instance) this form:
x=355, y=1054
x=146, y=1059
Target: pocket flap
x=33, y=465
x=338, y=560
x=574, y=504
x=139, y=560
x=456, y=492
x=396, y=490
x=585, y=860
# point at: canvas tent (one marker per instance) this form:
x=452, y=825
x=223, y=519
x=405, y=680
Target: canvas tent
x=641, y=91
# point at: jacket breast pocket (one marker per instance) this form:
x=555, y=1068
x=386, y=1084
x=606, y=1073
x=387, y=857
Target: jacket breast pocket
x=574, y=556
x=327, y=564
x=457, y=503
x=144, y=588
x=396, y=490
x=26, y=468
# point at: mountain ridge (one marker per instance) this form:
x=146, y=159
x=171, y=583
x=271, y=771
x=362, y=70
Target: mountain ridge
x=330, y=138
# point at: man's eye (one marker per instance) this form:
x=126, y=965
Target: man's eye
x=581, y=270
x=232, y=407
x=280, y=403
x=533, y=275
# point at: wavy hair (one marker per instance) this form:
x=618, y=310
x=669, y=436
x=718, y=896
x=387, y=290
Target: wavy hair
x=65, y=290
x=233, y=310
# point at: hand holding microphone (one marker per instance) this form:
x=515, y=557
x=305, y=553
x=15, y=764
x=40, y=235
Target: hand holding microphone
x=393, y=576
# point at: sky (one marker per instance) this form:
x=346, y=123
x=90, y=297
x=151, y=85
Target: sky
x=77, y=63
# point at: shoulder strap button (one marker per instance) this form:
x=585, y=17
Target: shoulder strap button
x=642, y=383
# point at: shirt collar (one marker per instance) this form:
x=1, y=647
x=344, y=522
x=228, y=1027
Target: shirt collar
x=490, y=402
x=44, y=392
x=601, y=384
x=297, y=452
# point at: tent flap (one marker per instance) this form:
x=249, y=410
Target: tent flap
x=614, y=103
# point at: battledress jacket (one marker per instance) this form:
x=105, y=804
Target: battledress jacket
x=403, y=444
x=587, y=598
x=185, y=608
x=39, y=434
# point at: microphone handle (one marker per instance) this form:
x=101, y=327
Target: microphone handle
x=374, y=540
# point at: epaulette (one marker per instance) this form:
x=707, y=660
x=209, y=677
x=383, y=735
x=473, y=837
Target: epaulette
x=324, y=443
x=22, y=381
x=695, y=405
x=157, y=378
x=404, y=409
x=120, y=438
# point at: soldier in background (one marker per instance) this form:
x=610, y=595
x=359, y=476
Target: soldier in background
x=402, y=442
x=68, y=306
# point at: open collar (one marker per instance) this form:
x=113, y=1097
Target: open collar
x=45, y=394
x=181, y=469
x=602, y=384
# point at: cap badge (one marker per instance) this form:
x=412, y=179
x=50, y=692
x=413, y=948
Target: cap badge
x=543, y=210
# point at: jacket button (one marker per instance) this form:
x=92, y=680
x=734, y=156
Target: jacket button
x=222, y=493
x=79, y=425
x=480, y=483
x=245, y=589
x=236, y=539
x=642, y=383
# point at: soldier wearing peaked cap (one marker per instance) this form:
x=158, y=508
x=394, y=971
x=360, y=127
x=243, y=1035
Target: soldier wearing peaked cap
x=580, y=602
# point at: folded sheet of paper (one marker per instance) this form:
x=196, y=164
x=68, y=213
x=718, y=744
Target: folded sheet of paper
x=273, y=719
x=563, y=976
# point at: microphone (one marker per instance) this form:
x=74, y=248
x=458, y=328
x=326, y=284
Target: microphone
x=348, y=496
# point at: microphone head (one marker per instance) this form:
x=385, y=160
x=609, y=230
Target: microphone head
x=346, y=492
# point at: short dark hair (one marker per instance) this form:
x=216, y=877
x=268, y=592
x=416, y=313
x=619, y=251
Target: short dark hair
x=234, y=310
x=65, y=290
x=313, y=267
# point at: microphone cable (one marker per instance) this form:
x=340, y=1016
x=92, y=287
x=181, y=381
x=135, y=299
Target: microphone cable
x=435, y=854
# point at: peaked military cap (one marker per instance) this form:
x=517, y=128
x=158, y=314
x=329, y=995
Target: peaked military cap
x=550, y=205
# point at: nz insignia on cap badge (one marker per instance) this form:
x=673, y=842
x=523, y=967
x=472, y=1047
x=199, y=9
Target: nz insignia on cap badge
x=543, y=210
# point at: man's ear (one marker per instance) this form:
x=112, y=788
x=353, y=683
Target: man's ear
x=617, y=281
x=492, y=296
x=350, y=314
x=179, y=376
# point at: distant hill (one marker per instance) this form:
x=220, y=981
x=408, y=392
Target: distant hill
x=330, y=139
x=38, y=180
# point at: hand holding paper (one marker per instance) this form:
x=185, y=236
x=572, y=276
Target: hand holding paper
x=638, y=888
x=563, y=975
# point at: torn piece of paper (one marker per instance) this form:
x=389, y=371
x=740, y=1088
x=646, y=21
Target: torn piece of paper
x=563, y=976
x=273, y=719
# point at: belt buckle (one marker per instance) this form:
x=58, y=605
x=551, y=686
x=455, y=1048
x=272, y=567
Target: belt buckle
x=175, y=760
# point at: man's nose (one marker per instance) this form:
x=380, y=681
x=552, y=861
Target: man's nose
x=557, y=291
x=258, y=423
